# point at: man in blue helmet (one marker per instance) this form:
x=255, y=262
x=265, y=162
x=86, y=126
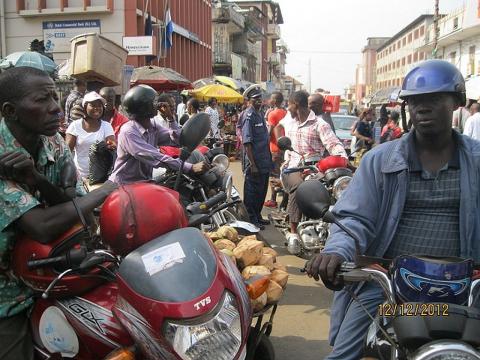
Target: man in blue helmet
x=415, y=195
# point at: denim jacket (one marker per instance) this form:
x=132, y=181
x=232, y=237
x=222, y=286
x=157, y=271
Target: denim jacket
x=372, y=205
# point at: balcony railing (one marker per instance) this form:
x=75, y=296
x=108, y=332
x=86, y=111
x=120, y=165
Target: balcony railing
x=273, y=31
x=227, y=14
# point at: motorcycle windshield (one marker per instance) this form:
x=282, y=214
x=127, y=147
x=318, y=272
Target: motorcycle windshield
x=176, y=267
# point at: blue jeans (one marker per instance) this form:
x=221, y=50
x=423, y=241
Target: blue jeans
x=351, y=335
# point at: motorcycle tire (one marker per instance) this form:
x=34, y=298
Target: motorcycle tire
x=241, y=212
x=264, y=350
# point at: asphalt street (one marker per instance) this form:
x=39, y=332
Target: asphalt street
x=301, y=323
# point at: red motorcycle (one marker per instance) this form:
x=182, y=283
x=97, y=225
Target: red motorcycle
x=164, y=292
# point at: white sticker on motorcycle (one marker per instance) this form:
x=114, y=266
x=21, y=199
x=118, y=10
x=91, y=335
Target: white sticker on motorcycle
x=56, y=333
x=163, y=258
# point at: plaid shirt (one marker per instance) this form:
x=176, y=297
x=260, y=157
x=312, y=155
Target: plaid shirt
x=310, y=138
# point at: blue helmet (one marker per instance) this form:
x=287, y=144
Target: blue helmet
x=429, y=279
x=433, y=76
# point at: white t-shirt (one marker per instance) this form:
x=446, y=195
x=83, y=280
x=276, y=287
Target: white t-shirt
x=472, y=126
x=85, y=140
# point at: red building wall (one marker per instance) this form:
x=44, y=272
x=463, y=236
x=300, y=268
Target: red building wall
x=192, y=60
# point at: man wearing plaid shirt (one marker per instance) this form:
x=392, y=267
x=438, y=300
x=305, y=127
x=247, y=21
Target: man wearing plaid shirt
x=310, y=136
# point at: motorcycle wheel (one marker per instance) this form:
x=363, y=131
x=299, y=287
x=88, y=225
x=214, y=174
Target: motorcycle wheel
x=264, y=350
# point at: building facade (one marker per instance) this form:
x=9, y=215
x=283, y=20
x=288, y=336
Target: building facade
x=458, y=38
x=365, y=73
x=190, y=55
x=401, y=52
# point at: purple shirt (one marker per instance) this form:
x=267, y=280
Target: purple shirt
x=138, y=155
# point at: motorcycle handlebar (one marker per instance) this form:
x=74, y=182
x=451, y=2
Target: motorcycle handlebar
x=299, y=169
x=71, y=259
x=214, y=200
x=35, y=264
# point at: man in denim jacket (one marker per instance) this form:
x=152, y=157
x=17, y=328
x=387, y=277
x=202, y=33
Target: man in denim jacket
x=418, y=194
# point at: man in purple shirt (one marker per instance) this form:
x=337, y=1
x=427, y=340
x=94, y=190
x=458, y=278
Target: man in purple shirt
x=137, y=148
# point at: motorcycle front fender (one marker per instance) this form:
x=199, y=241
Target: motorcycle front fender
x=243, y=225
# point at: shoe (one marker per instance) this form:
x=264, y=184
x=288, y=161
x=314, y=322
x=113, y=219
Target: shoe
x=264, y=222
x=270, y=204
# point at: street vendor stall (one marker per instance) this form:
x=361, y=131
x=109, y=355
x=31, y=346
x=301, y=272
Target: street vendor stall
x=160, y=78
x=223, y=94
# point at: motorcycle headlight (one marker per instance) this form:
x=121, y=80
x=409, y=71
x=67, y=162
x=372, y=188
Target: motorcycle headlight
x=446, y=350
x=221, y=162
x=216, y=336
x=340, y=185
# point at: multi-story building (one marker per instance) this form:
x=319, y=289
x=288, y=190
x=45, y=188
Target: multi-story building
x=400, y=53
x=368, y=67
x=458, y=38
x=265, y=16
x=190, y=55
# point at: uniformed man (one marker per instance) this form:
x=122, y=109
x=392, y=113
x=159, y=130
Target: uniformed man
x=257, y=160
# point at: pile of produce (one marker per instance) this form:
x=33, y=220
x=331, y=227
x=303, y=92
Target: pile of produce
x=255, y=261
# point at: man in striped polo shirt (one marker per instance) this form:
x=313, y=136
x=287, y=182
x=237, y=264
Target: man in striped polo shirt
x=415, y=195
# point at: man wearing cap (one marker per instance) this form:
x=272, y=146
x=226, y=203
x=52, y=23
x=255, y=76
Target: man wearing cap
x=415, y=195
x=257, y=160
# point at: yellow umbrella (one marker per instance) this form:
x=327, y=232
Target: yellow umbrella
x=222, y=93
x=225, y=80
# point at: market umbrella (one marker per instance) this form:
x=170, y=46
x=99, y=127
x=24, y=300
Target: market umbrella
x=228, y=81
x=30, y=59
x=197, y=84
x=472, y=86
x=222, y=93
x=160, y=78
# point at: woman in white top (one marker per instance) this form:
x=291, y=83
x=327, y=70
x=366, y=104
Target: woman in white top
x=84, y=132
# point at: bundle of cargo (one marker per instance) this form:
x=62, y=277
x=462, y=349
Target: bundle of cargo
x=264, y=276
x=96, y=58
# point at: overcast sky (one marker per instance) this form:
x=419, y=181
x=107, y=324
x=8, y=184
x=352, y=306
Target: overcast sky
x=333, y=32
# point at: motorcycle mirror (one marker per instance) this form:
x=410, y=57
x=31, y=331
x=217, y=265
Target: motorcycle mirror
x=284, y=143
x=313, y=199
x=194, y=131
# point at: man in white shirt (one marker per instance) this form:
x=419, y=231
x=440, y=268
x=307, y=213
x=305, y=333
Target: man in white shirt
x=472, y=125
x=214, y=117
x=460, y=117
x=182, y=107
x=165, y=117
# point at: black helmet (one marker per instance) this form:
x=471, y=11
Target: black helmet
x=139, y=102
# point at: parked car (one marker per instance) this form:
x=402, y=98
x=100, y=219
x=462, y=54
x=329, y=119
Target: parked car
x=343, y=124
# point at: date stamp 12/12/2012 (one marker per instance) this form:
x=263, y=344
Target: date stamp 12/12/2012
x=413, y=309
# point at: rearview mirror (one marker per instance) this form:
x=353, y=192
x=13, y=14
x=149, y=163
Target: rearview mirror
x=284, y=143
x=313, y=199
x=194, y=131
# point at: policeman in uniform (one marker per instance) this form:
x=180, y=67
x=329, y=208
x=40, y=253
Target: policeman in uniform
x=257, y=160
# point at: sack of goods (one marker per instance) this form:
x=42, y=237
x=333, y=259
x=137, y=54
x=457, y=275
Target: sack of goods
x=256, y=262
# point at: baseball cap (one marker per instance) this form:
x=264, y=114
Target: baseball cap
x=91, y=97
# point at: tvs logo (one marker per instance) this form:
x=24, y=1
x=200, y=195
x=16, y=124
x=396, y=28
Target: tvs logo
x=202, y=303
x=50, y=25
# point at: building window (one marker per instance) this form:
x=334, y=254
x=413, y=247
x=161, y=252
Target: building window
x=453, y=56
x=389, y=67
x=422, y=30
x=455, y=23
x=415, y=34
x=415, y=57
x=394, y=46
x=398, y=63
x=409, y=59
x=403, y=61
x=422, y=55
x=471, y=60
x=404, y=41
x=409, y=38
x=399, y=43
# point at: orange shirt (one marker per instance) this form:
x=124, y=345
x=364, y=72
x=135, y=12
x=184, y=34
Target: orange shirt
x=273, y=119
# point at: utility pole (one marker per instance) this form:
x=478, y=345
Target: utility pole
x=436, y=29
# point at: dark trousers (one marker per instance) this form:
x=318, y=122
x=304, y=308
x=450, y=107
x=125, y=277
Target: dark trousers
x=255, y=190
x=15, y=338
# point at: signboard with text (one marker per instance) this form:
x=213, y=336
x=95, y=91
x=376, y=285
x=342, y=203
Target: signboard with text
x=57, y=34
x=140, y=45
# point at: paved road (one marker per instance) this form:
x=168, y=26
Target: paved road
x=300, y=327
